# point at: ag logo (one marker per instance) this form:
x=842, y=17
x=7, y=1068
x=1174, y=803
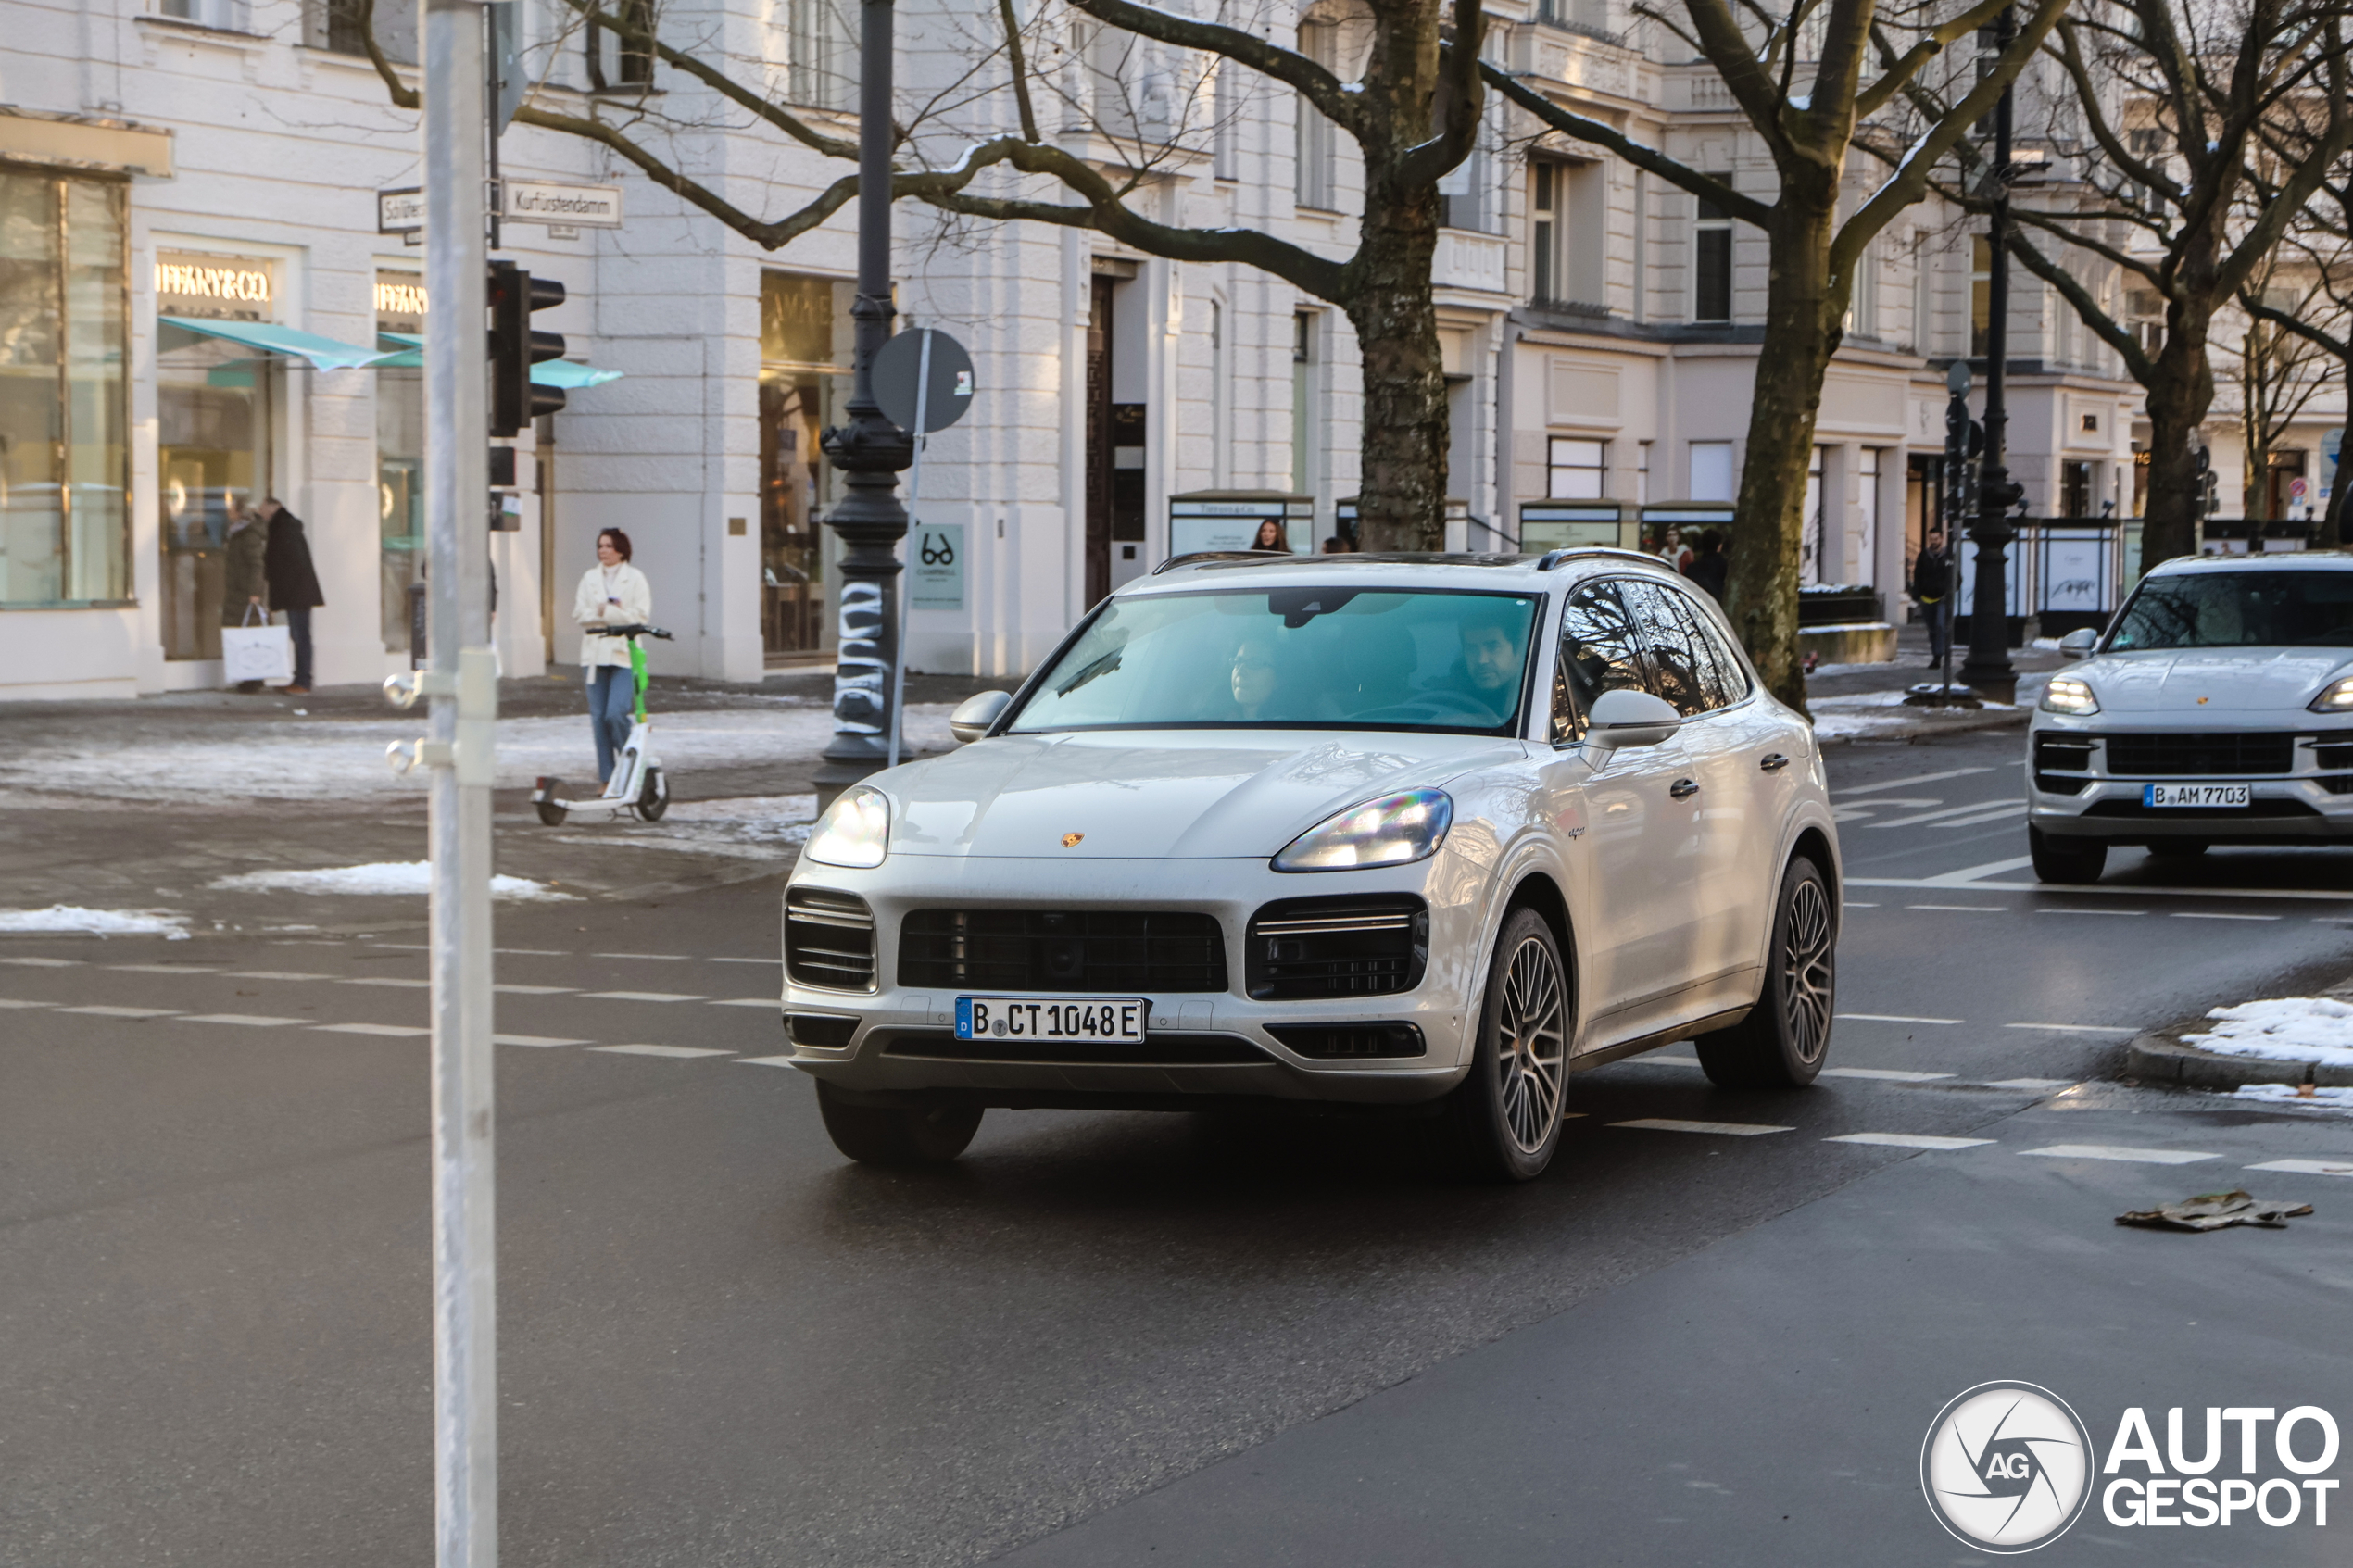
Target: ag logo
x=2006, y=1467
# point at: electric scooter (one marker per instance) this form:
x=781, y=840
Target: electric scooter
x=637, y=785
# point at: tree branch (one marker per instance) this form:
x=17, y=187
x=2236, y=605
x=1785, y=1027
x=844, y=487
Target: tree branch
x=725, y=86
x=2136, y=362
x=1319, y=86
x=1568, y=123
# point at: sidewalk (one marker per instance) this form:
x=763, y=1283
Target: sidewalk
x=1851, y=702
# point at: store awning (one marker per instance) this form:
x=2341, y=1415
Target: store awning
x=323, y=353
x=567, y=375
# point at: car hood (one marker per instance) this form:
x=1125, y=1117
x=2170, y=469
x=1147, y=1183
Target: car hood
x=2210, y=682
x=1158, y=794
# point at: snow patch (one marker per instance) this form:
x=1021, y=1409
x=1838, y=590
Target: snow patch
x=2334, y=1099
x=413, y=877
x=2312, y=1029
x=97, y=923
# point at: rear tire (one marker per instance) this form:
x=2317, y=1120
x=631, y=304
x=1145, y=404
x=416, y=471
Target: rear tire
x=2062, y=860
x=550, y=813
x=1782, y=1041
x=1502, y=1123
x=874, y=1134
x=653, y=795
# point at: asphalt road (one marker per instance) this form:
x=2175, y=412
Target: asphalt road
x=1115, y=1338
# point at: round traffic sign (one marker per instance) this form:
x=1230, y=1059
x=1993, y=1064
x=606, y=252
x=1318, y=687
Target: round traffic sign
x=899, y=366
x=2295, y=488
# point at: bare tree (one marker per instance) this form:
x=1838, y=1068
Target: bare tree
x=2184, y=104
x=2322, y=240
x=2278, y=372
x=1817, y=85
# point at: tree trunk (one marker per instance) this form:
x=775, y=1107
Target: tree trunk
x=1402, y=478
x=2331, y=536
x=2180, y=389
x=1802, y=331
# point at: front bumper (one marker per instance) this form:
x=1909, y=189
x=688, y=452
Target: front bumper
x=2080, y=798
x=1213, y=1046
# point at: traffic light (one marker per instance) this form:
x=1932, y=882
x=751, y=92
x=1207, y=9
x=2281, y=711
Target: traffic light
x=514, y=347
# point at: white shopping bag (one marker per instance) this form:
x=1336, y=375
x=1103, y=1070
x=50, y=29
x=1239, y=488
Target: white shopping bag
x=256, y=653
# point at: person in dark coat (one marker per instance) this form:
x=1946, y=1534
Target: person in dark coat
x=294, y=585
x=1933, y=590
x=1708, y=567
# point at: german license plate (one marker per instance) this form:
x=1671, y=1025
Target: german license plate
x=1117, y=1019
x=2196, y=795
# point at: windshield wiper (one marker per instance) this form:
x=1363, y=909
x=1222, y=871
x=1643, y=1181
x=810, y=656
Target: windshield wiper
x=1102, y=666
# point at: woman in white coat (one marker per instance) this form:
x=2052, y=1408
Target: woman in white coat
x=612, y=593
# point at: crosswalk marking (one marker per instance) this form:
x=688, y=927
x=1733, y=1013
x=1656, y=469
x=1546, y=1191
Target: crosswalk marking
x=748, y=1002
x=242, y=1019
x=1960, y=909
x=1908, y=1140
x=162, y=969
x=1724, y=1129
x=1953, y=814
x=2131, y=913
x=2308, y=1167
x=764, y=1061
x=12, y=1002
x=394, y=1031
x=658, y=1050
x=650, y=958
x=2120, y=1152
x=2217, y=914
x=1970, y=873
x=2080, y=1028
x=392, y=980
x=1907, y=784
x=2029, y=1084
x=534, y=1040
x=45, y=963
x=101, y=1009
x=275, y=974
x=1889, y=1074
x=1895, y=1018
x=637, y=996
x=533, y=990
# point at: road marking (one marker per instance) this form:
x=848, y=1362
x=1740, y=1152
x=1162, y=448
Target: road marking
x=1908, y=1140
x=162, y=969
x=45, y=963
x=1970, y=873
x=1907, y=784
x=637, y=996
x=1894, y=1018
x=748, y=960
x=1726, y=1129
x=533, y=1040
x=1888, y=1074
x=1963, y=909
x=2210, y=914
x=748, y=1002
x=104, y=1011
x=397, y=1031
x=245, y=1020
x=2130, y=914
x=658, y=1050
x=389, y=980
x=2080, y=1028
x=13, y=1002
x=1863, y=809
x=2117, y=891
x=2308, y=1167
x=516, y=952
x=2004, y=809
x=1851, y=904
x=2029, y=1083
x=534, y=990
x=1993, y=814
x=2116, y=1151
x=783, y=1062
x=650, y=957
x=275, y=975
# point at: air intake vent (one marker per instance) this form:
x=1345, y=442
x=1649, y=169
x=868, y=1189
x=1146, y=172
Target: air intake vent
x=829, y=939
x=1107, y=952
x=1340, y=1042
x=2203, y=754
x=824, y=1031
x=1315, y=950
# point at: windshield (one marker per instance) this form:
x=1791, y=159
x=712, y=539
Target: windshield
x=1293, y=658
x=2236, y=610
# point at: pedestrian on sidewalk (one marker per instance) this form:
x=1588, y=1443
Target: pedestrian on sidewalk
x=1272, y=537
x=293, y=583
x=611, y=593
x=1931, y=588
x=245, y=586
x=1708, y=567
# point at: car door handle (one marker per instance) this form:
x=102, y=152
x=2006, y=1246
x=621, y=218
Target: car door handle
x=1683, y=789
x=1772, y=762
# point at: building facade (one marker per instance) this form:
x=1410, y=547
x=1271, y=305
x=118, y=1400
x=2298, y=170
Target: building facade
x=200, y=311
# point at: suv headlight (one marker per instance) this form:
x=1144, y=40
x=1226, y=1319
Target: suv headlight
x=1393, y=831
x=2335, y=698
x=854, y=831
x=2068, y=695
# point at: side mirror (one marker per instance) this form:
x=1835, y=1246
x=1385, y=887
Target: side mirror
x=2079, y=644
x=1625, y=718
x=975, y=714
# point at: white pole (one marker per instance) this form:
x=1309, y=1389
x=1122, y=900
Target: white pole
x=462, y=678
x=914, y=498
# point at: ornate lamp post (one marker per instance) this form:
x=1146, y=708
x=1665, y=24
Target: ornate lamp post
x=870, y=451
x=1988, y=665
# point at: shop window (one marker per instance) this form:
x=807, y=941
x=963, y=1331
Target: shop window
x=64, y=461
x=805, y=341
x=215, y=423
x=400, y=457
x=1576, y=470
x=2076, y=489
x=1712, y=261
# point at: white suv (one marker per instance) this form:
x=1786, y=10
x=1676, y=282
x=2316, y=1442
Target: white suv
x=1382, y=831
x=2217, y=709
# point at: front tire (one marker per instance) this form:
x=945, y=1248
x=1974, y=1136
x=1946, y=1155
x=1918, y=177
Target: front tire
x=900, y=1135
x=1782, y=1043
x=2062, y=859
x=1503, y=1121
x=653, y=795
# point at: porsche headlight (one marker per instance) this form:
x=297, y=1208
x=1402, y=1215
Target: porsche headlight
x=2335, y=698
x=855, y=831
x=1393, y=831
x=2068, y=695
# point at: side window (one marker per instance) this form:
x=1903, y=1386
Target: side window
x=1727, y=677
x=1680, y=665
x=1600, y=652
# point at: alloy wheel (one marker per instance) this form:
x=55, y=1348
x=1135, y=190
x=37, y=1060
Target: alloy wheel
x=1805, y=970
x=1531, y=1044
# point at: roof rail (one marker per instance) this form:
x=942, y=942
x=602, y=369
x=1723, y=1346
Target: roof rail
x=1554, y=559
x=1197, y=555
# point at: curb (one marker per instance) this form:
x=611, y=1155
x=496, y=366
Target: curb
x=2157, y=1057
x=2016, y=719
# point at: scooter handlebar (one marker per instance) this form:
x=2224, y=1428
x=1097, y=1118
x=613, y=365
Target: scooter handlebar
x=633, y=629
